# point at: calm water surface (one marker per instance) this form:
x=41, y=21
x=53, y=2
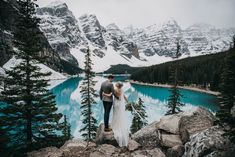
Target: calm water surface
x=68, y=99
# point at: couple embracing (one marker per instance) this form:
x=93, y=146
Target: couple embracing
x=114, y=96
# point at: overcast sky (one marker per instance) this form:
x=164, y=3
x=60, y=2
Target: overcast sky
x=141, y=13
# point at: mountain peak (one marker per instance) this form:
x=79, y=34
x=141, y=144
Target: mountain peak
x=112, y=26
x=201, y=26
x=57, y=4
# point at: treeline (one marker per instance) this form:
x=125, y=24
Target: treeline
x=201, y=71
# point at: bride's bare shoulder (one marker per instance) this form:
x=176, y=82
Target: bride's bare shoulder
x=118, y=92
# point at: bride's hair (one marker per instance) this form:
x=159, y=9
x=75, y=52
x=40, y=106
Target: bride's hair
x=119, y=85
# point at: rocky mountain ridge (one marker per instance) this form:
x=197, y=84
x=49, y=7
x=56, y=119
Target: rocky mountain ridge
x=110, y=45
x=197, y=39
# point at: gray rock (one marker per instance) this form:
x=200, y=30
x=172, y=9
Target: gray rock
x=139, y=153
x=46, y=152
x=176, y=151
x=196, y=121
x=75, y=147
x=184, y=135
x=170, y=140
x=104, y=150
x=133, y=145
x=93, y=30
x=156, y=152
x=148, y=136
x=170, y=123
x=209, y=142
x=103, y=137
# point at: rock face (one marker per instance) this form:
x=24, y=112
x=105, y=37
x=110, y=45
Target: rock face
x=118, y=40
x=209, y=142
x=61, y=29
x=170, y=123
x=103, y=137
x=148, y=136
x=196, y=121
x=9, y=16
x=133, y=145
x=93, y=30
x=170, y=140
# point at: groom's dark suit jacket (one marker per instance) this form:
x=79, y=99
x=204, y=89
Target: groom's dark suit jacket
x=107, y=87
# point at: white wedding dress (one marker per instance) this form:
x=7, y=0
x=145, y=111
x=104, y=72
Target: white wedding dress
x=119, y=121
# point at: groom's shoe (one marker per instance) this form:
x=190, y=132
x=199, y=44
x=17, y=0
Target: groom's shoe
x=107, y=129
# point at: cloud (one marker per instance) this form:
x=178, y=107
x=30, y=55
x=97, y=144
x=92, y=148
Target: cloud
x=141, y=13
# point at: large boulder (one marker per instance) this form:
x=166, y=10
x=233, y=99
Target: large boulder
x=148, y=136
x=103, y=137
x=170, y=140
x=196, y=121
x=133, y=145
x=170, y=123
x=210, y=143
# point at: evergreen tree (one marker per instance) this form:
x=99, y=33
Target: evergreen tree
x=30, y=114
x=66, y=129
x=174, y=103
x=88, y=95
x=139, y=119
x=227, y=97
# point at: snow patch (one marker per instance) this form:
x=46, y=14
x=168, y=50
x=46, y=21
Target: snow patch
x=56, y=78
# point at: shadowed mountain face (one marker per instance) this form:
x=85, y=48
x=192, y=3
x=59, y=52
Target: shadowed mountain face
x=8, y=19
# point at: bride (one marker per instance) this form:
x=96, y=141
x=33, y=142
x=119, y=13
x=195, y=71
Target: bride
x=119, y=121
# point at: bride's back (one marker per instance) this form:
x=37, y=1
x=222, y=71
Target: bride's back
x=118, y=92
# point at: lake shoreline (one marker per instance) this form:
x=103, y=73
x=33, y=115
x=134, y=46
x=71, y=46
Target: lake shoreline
x=181, y=87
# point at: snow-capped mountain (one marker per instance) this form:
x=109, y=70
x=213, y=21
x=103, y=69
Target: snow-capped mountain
x=197, y=39
x=158, y=39
x=9, y=16
x=110, y=45
x=206, y=39
x=61, y=29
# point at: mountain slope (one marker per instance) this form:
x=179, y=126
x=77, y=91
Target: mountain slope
x=132, y=46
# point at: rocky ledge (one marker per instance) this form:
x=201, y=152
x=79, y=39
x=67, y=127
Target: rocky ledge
x=188, y=134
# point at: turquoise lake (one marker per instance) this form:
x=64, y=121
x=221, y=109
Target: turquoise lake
x=68, y=99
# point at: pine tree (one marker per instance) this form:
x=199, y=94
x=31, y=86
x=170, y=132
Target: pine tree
x=139, y=119
x=227, y=96
x=88, y=95
x=174, y=100
x=66, y=129
x=30, y=113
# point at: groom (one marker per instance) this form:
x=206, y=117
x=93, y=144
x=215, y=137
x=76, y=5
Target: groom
x=107, y=87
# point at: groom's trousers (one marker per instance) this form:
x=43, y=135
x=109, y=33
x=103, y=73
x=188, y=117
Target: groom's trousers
x=107, y=108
